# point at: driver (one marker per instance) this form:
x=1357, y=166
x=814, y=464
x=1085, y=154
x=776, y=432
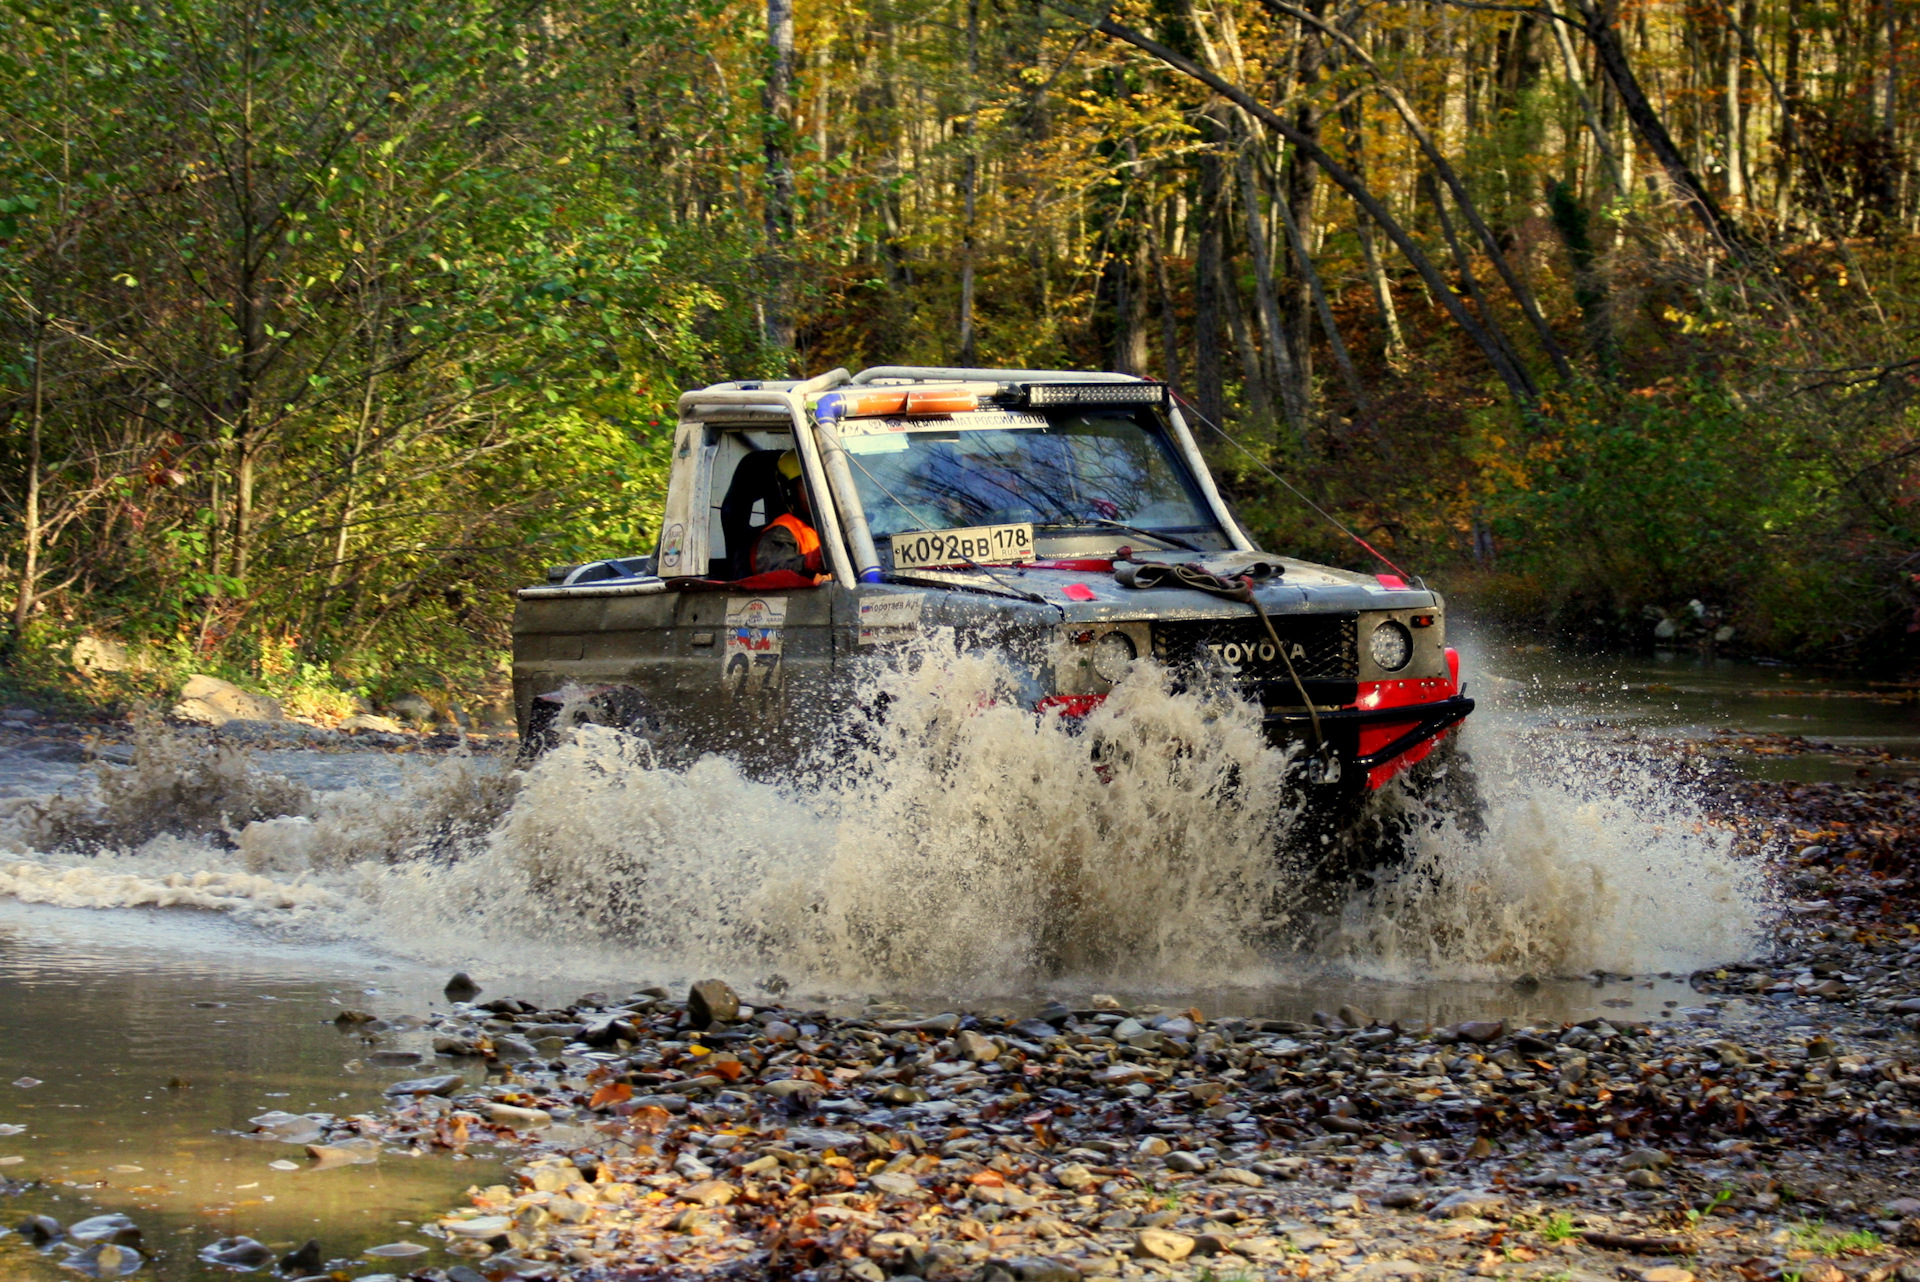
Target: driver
x=789, y=541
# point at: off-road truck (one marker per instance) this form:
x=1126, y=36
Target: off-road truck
x=1065, y=520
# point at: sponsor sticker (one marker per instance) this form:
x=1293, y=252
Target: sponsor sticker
x=891, y=616
x=750, y=656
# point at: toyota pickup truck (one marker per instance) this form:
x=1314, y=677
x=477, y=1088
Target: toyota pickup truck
x=1066, y=520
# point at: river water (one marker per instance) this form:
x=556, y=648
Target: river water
x=157, y=999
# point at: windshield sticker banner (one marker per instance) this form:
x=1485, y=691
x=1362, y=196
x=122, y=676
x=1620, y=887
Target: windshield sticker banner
x=750, y=659
x=892, y=617
x=1002, y=419
x=999, y=544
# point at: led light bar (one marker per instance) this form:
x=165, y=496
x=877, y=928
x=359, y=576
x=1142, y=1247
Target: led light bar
x=1046, y=395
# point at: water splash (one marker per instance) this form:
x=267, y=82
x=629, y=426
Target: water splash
x=960, y=845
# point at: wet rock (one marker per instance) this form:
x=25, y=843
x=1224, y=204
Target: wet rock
x=1034, y=1268
x=39, y=1229
x=306, y=1262
x=1480, y=1030
x=975, y=1046
x=346, y=1152
x=115, y=1228
x=1479, y=1204
x=394, y=1059
x=440, y=1084
x=460, y=988
x=710, y=1002
x=104, y=1260
x=1189, y=1162
x=1645, y=1159
x=519, y=1119
x=511, y=1049
x=209, y=701
x=353, y=1018
x=1645, y=1179
x=1402, y=1197
x=396, y=1250
x=237, y=1253
x=1162, y=1244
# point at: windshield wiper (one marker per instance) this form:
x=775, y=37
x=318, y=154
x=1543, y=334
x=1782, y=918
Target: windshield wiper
x=1004, y=588
x=1170, y=539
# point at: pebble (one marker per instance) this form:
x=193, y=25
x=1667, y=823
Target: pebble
x=237, y=1252
x=711, y=1002
x=1162, y=1244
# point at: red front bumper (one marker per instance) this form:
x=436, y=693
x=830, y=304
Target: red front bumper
x=1391, y=725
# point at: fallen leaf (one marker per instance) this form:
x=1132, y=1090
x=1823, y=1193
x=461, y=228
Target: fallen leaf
x=611, y=1093
x=731, y=1069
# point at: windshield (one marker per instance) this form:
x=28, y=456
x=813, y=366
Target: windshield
x=1069, y=470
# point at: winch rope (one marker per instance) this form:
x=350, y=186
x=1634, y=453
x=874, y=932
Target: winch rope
x=1261, y=463
x=1153, y=574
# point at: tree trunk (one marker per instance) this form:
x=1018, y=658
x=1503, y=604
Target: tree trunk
x=1169, y=320
x=28, y=594
x=970, y=176
x=1259, y=398
x=776, y=128
x=1342, y=358
x=1464, y=265
x=1208, y=340
x=1293, y=410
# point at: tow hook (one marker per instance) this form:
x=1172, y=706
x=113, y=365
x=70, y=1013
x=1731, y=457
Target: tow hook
x=1326, y=766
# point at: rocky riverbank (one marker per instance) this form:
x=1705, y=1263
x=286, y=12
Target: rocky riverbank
x=1767, y=1129
x=1767, y=1132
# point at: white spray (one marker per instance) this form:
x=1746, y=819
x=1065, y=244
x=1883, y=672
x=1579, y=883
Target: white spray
x=968, y=847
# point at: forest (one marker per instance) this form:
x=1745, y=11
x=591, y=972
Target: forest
x=328, y=324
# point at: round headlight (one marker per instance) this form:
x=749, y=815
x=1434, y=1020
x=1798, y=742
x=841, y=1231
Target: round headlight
x=1391, y=646
x=1111, y=655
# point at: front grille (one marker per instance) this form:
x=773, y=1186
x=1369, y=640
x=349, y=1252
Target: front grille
x=1324, y=649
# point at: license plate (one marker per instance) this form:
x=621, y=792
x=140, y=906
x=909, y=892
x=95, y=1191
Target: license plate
x=986, y=543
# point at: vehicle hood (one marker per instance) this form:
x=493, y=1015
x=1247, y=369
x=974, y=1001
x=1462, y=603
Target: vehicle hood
x=1088, y=593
